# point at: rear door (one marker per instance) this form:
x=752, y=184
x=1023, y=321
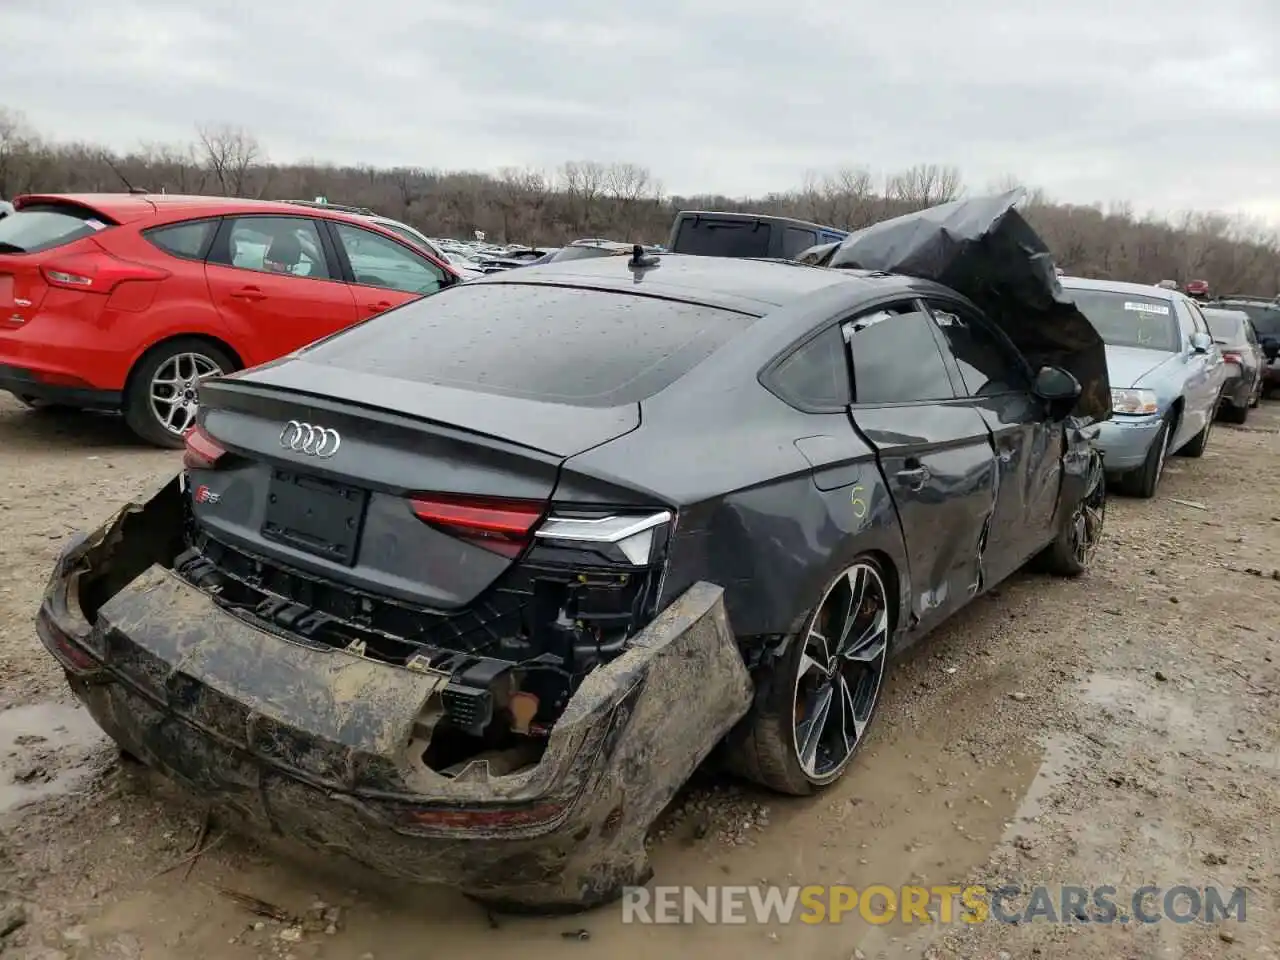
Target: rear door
x=934, y=450
x=383, y=272
x=1028, y=445
x=277, y=282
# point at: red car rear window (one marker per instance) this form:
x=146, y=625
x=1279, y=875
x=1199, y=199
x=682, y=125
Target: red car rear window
x=45, y=226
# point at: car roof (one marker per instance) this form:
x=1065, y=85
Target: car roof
x=126, y=207
x=746, y=285
x=1119, y=286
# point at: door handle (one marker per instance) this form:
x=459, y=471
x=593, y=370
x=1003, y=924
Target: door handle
x=914, y=477
x=249, y=293
x=380, y=306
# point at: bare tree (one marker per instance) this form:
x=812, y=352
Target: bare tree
x=16, y=146
x=925, y=185
x=850, y=198
x=623, y=200
x=583, y=181
x=229, y=153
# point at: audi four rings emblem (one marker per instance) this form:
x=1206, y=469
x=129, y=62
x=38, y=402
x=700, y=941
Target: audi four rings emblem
x=314, y=441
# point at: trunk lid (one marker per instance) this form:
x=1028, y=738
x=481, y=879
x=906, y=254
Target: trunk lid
x=349, y=507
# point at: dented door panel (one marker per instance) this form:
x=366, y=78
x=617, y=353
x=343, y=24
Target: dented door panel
x=1028, y=450
x=944, y=482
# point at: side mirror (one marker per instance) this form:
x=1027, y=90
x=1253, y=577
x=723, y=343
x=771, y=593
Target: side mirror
x=1056, y=385
x=1201, y=342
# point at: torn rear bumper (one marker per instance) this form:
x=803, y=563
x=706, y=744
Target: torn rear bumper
x=314, y=744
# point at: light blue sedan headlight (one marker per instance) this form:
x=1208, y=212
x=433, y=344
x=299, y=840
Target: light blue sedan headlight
x=1134, y=403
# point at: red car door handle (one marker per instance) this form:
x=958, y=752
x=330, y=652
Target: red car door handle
x=249, y=293
x=380, y=306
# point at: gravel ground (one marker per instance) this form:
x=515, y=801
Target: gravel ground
x=1116, y=730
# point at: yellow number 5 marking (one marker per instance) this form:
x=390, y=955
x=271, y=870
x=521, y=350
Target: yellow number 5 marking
x=859, y=502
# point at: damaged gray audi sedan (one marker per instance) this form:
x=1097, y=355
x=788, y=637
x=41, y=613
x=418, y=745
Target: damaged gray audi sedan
x=467, y=592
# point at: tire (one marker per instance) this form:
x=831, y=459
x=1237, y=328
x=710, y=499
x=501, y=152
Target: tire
x=768, y=745
x=1143, y=481
x=1200, y=441
x=1234, y=414
x=1072, y=550
x=186, y=359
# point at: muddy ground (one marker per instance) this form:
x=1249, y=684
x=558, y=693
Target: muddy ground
x=1120, y=730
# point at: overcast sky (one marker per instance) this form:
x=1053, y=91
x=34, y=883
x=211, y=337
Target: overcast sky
x=1170, y=104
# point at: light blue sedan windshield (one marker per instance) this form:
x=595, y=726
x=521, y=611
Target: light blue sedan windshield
x=1130, y=319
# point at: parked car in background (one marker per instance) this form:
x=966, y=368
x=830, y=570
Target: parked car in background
x=1265, y=315
x=1234, y=334
x=1167, y=376
x=467, y=268
x=708, y=233
x=125, y=301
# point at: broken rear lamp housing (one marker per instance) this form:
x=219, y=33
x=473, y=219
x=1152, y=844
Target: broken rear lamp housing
x=634, y=535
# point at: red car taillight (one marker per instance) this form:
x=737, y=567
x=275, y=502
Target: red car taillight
x=503, y=526
x=202, y=452
x=96, y=272
x=1230, y=356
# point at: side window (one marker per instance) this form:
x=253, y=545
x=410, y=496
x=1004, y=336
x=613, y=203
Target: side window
x=189, y=241
x=1186, y=319
x=987, y=363
x=377, y=261
x=816, y=374
x=895, y=357
x=1198, y=321
x=796, y=241
x=286, y=245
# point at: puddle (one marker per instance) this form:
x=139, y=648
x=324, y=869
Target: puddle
x=1061, y=754
x=43, y=751
x=1186, y=722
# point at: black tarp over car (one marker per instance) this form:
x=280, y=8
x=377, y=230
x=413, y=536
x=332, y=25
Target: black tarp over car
x=985, y=249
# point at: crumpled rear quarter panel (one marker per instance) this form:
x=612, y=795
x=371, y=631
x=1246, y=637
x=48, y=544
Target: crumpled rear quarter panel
x=311, y=744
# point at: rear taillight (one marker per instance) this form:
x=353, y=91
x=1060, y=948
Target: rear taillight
x=503, y=526
x=202, y=451
x=1230, y=356
x=96, y=272
x=633, y=534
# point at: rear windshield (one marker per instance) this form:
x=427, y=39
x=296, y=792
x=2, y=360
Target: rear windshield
x=1227, y=327
x=706, y=237
x=586, y=348
x=1130, y=319
x=1266, y=319
x=41, y=227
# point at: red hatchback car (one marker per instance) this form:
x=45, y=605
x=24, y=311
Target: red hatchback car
x=122, y=302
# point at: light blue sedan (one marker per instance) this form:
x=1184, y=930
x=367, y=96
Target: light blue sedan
x=1166, y=377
